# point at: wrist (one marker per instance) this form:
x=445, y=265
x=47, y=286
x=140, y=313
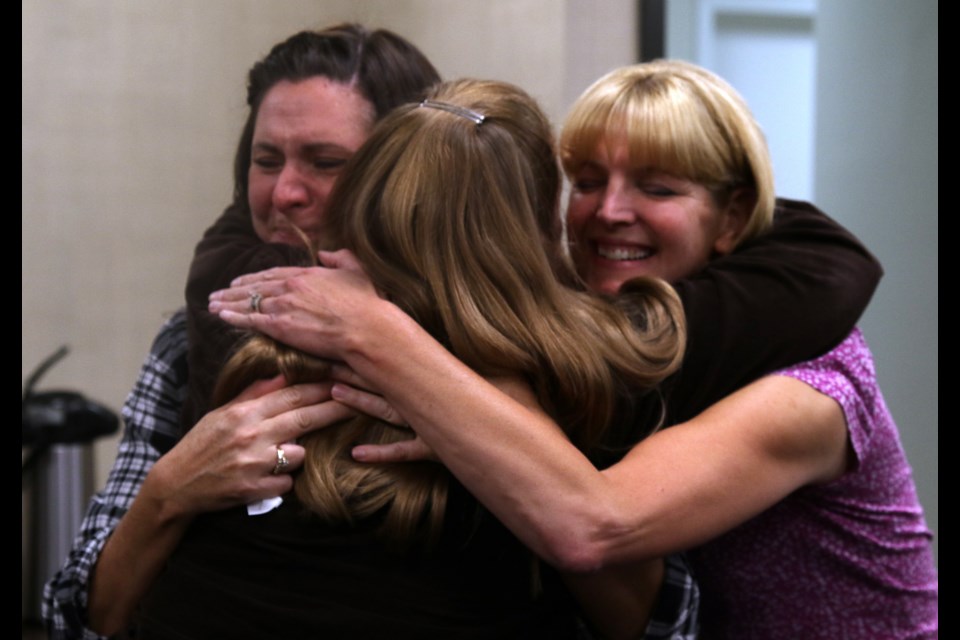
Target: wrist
x=163, y=497
x=378, y=336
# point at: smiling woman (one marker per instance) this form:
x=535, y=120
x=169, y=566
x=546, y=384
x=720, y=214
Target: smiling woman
x=626, y=222
x=669, y=170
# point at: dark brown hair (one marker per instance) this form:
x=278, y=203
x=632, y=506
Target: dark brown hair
x=385, y=69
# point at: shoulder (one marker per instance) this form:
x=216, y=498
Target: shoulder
x=166, y=365
x=799, y=216
x=788, y=207
x=846, y=373
x=152, y=409
x=171, y=341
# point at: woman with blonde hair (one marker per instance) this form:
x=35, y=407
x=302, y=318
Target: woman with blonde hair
x=450, y=208
x=793, y=492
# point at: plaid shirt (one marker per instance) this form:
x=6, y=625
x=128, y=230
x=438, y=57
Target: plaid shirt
x=152, y=427
x=676, y=616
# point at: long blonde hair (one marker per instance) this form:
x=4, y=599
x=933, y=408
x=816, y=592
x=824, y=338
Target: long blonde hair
x=457, y=223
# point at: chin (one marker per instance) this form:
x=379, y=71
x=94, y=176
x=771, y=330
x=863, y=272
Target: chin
x=606, y=286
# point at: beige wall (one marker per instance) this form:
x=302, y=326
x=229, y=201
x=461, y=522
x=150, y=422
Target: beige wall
x=130, y=111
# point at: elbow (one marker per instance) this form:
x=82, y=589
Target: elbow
x=587, y=546
x=577, y=557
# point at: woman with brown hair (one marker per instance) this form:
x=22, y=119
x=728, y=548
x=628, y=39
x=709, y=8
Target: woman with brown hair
x=312, y=101
x=449, y=205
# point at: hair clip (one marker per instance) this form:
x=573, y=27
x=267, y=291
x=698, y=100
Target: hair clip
x=463, y=112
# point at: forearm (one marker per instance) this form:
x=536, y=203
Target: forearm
x=150, y=429
x=133, y=556
x=69, y=600
x=674, y=490
x=618, y=601
x=65, y=597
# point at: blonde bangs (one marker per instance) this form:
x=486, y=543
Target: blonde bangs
x=677, y=118
x=666, y=128
x=585, y=128
x=670, y=132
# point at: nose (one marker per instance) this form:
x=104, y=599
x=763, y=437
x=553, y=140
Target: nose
x=290, y=191
x=616, y=208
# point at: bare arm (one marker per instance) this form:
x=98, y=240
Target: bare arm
x=676, y=489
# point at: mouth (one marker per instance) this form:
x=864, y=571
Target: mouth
x=285, y=236
x=620, y=253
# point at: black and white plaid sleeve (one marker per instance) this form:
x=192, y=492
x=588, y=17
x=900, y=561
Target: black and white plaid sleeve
x=676, y=616
x=151, y=427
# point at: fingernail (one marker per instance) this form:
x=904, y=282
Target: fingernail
x=359, y=453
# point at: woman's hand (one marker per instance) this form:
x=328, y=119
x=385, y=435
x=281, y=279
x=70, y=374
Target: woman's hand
x=231, y=456
x=227, y=459
x=353, y=391
x=313, y=309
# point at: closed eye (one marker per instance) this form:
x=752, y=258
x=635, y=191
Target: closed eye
x=589, y=186
x=590, y=179
x=328, y=164
x=657, y=190
x=268, y=163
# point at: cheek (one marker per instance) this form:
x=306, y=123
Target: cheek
x=259, y=194
x=686, y=249
x=323, y=188
x=310, y=217
x=579, y=210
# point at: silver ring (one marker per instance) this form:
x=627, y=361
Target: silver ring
x=282, y=462
x=255, y=299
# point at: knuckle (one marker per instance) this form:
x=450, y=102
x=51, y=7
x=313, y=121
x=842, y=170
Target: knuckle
x=246, y=436
x=236, y=414
x=301, y=420
x=292, y=396
x=300, y=282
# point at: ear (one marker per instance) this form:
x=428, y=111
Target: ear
x=734, y=219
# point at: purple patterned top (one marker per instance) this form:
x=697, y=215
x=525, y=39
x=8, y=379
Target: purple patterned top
x=848, y=559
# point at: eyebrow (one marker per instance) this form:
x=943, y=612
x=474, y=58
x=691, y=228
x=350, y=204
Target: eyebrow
x=313, y=147
x=592, y=165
